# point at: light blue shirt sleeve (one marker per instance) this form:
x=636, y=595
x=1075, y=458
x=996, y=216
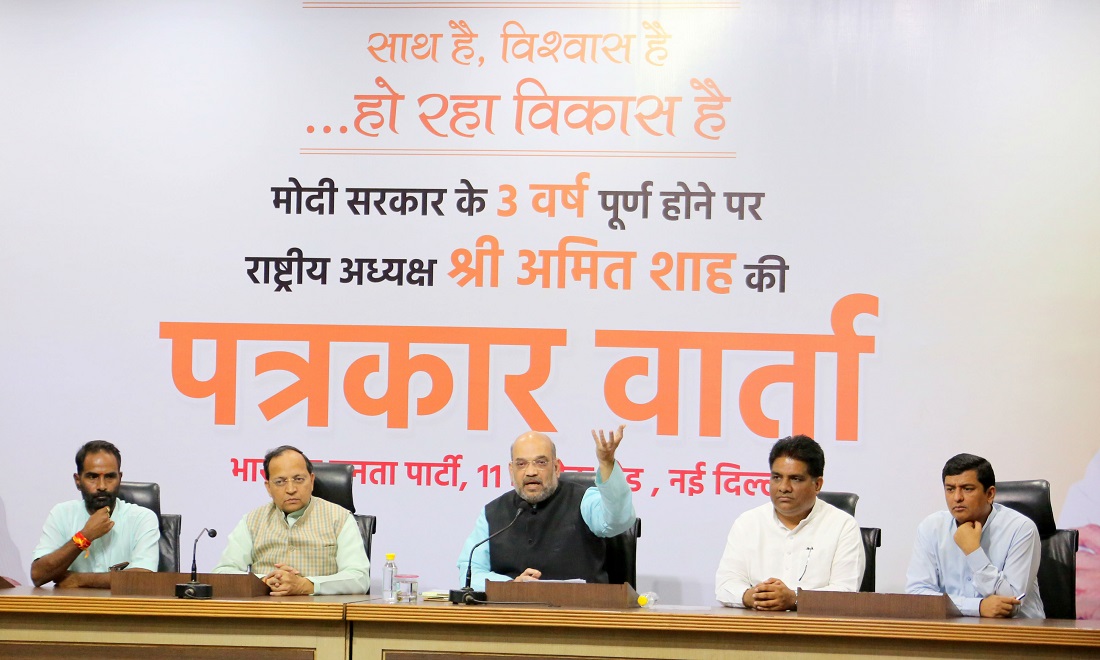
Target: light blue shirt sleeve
x=607, y=509
x=237, y=556
x=352, y=574
x=481, y=566
x=55, y=533
x=146, y=540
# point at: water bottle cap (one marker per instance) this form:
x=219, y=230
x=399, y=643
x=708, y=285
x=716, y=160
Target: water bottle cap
x=643, y=600
x=390, y=556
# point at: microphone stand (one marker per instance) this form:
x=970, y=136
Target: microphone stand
x=466, y=595
x=194, y=589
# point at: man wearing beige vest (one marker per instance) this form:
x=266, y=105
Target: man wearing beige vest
x=298, y=544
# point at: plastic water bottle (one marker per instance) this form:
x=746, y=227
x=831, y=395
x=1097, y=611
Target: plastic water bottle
x=389, y=588
x=648, y=599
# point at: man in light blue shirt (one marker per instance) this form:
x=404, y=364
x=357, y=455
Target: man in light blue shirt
x=557, y=528
x=983, y=555
x=83, y=539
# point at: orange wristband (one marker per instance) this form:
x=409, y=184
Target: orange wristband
x=81, y=541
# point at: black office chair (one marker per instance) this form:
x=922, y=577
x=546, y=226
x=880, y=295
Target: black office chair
x=147, y=494
x=333, y=482
x=846, y=502
x=872, y=541
x=872, y=536
x=622, y=550
x=1058, y=560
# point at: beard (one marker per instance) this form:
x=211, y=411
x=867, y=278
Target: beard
x=542, y=496
x=96, y=500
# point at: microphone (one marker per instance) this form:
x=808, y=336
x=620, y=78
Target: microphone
x=195, y=589
x=466, y=595
x=194, y=549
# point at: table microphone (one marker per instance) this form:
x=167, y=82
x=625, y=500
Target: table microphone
x=195, y=589
x=467, y=595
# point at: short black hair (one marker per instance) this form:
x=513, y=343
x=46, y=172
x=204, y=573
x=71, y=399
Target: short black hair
x=95, y=447
x=960, y=463
x=800, y=448
x=279, y=451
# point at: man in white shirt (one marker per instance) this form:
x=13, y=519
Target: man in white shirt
x=795, y=541
x=298, y=543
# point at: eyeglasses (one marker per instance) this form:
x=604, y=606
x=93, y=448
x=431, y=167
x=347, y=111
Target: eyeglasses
x=282, y=482
x=539, y=463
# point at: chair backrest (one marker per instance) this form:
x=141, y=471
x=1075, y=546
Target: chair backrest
x=1058, y=561
x=1058, y=574
x=622, y=550
x=170, y=526
x=333, y=482
x=846, y=502
x=872, y=540
x=368, y=525
x=147, y=494
x=1031, y=498
x=141, y=493
x=872, y=536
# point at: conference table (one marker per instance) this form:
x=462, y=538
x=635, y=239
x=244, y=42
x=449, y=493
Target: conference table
x=77, y=623
x=68, y=623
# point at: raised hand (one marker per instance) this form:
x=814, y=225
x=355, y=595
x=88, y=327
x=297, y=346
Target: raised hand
x=605, y=449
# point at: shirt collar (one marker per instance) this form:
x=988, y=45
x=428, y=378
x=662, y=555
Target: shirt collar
x=814, y=512
x=992, y=514
x=293, y=516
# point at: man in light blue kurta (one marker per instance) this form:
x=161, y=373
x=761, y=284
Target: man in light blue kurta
x=83, y=539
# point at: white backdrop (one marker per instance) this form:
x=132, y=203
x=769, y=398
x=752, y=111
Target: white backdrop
x=936, y=159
